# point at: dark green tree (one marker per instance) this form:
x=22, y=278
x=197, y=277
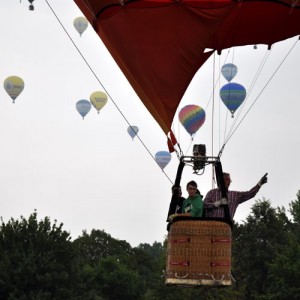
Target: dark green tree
x=110, y=267
x=295, y=210
x=99, y=244
x=37, y=260
x=285, y=269
x=116, y=281
x=257, y=242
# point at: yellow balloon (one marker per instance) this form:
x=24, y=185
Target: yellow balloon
x=98, y=99
x=13, y=85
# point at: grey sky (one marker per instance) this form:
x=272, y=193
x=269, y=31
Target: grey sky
x=89, y=173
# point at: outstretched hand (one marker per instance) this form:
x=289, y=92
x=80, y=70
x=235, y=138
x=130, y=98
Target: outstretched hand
x=263, y=180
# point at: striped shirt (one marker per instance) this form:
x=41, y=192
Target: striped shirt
x=234, y=199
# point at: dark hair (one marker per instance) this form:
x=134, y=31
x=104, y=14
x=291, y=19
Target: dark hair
x=174, y=187
x=192, y=183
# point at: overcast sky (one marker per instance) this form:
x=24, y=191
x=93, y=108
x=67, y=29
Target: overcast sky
x=89, y=174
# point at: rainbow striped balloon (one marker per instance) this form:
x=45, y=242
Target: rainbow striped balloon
x=192, y=118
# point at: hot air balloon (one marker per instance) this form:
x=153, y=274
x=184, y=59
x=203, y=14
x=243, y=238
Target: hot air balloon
x=132, y=131
x=231, y=23
x=162, y=158
x=13, y=85
x=229, y=71
x=83, y=107
x=80, y=24
x=160, y=76
x=31, y=7
x=233, y=95
x=192, y=118
x=98, y=100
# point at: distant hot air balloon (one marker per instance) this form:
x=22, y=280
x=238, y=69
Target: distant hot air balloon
x=31, y=7
x=132, y=131
x=162, y=158
x=83, y=107
x=233, y=95
x=229, y=71
x=98, y=99
x=80, y=24
x=13, y=85
x=192, y=118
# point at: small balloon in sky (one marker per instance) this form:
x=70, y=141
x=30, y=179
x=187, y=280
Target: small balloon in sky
x=31, y=7
x=80, y=24
x=13, y=85
x=83, y=107
x=229, y=71
x=98, y=100
x=232, y=95
x=162, y=158
x=132, y=131
x=192, y=118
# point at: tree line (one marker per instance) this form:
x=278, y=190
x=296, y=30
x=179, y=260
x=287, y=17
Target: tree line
x=40, y=261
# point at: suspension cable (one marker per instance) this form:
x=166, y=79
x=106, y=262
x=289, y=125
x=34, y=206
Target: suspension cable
x=97, y=78
x=256, y=76
x=262, y=90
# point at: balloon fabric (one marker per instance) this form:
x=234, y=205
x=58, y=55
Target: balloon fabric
x=162, y=158
x=14, y=86
x=80, y=24
x=229, y=71
x=165, y=61
x=83, y=107
x=233, y=95
x=98, y=100
x=192, y=118
x=132, y=131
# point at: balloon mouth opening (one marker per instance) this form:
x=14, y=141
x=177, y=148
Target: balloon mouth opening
x=31, y=7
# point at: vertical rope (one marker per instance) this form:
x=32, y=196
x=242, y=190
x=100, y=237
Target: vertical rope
x=212, y=117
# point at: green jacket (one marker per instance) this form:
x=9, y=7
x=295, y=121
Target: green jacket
x=194, y=206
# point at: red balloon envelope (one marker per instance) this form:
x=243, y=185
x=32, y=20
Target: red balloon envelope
x=192, y=118
x=160, y=44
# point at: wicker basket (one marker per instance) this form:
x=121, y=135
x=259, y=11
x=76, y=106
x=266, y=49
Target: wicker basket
x=199, y=253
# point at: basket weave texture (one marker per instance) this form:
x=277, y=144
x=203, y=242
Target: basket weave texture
x=199, y=253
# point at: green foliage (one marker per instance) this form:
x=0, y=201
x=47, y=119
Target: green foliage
x=110, y=267
x=98, y=244
x=116, y=281
x=295, y=209
x=263, y=252
x=38, y=260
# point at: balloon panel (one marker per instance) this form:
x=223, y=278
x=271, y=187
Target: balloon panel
x=229, y=71
x=98, y=100
x=80, y=24
x=162, y=158
x=83, y=107
x=192, y=118
x=232, y=95
x=230, y=24
x=132, y=131
x=13, y=85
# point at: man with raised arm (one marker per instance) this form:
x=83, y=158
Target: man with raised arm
x=214, y=204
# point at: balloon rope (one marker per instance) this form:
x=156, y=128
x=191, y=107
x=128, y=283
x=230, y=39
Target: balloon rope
x=217, y=83
x=267, y=83
x=90, y=68
x=212, y=118
x=231, y=132
x=256, y=76
x=227, y=111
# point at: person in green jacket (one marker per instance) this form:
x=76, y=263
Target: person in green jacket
x=193, y=205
